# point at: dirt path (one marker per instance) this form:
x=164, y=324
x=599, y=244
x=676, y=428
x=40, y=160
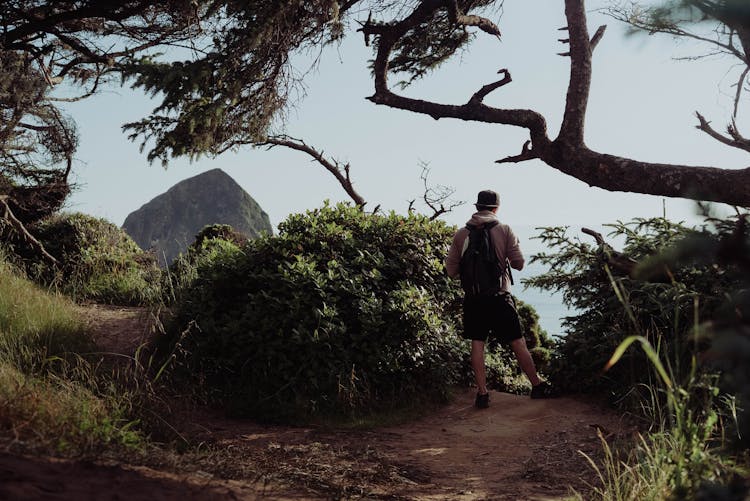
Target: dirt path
x=518, y=449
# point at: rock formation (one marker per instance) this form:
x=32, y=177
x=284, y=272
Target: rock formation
x=168, y=223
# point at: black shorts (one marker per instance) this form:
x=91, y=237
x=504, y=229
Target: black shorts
x=495, y=316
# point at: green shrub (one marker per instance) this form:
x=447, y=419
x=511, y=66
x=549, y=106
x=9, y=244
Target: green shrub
x=212, y=242
x=342, y=312
x=673, y=287
x=98, y=261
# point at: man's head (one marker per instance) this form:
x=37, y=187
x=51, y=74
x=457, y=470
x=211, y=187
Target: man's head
x=487, y=200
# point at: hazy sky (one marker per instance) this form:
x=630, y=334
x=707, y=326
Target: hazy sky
x=642, y=106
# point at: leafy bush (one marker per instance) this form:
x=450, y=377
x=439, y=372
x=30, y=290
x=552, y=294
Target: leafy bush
x=98, y=261
x=212, y=242
x=341, y=312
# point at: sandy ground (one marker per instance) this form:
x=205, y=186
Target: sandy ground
x=518, y=449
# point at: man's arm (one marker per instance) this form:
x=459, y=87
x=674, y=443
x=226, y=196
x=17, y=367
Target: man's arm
x=513, y=251
x=453, y=260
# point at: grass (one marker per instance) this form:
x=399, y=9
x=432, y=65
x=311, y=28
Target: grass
x=683, y=455
x=51, y=395
x=35, y=325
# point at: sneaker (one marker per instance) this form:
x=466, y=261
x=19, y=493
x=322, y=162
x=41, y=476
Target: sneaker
x=482, y=401
x=544, y=390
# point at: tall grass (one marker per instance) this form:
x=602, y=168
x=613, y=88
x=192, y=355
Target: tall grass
x=682, y=455
x=50, y=394
x=678, y=458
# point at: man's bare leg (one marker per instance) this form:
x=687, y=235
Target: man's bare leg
x=524, y=360
x=477, y=363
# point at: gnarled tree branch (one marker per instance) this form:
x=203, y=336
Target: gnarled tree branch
x=617, y=260
x=735, y=141
x=527, y=153
x=473, y=110
x=568, y=152
x=19, y=227
x=479, y=95
x=341, y=173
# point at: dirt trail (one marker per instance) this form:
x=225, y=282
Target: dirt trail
x=518, y=449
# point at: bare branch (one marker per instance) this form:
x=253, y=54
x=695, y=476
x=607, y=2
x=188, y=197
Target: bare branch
x=390, y=34
x=568, y=152
x=436, y=197
x=597, y=36
x=593, y=43
x=740, y=83
x=597, y=236
x=527, y=153
x=735, y=141
x=641, y=23
x=21, y=229
x=617, y=260
x=479, y=96
x=332, y=166
x=482, y=23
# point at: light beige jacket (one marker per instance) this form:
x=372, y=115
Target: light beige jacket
x=505, y=241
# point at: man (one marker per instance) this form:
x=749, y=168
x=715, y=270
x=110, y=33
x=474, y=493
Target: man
x=493, y=313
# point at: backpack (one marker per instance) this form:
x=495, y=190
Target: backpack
x=481, y=271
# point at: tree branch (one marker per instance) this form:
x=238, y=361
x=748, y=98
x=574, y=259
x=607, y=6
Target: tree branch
x=482, y=23
x=436, y=197
x=639, y=20
x=332, y=166
x=597, y=36
x=479, y=96
x=568, y=153
x=21, y=229
x=473, y=110
x=614, y=173
x=737, y=95
x=735, y=141
x=527, y=153
x=576, y=101
x=593, y=43
x=617, y=260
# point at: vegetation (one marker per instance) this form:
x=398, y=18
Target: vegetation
x=686, y=302
x=235, y=86
x=661, y=300
x=346, y=313
x=342, y=312
x=49, y=393
x=206, y=108
x=45, y=44
x=97, y=261
x=684, y=455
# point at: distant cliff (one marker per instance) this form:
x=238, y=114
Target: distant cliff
x=169, y=222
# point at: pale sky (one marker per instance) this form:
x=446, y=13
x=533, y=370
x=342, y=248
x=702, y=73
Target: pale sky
x=642, y=106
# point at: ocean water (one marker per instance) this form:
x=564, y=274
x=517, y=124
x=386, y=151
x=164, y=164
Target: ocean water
x=548, y=305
